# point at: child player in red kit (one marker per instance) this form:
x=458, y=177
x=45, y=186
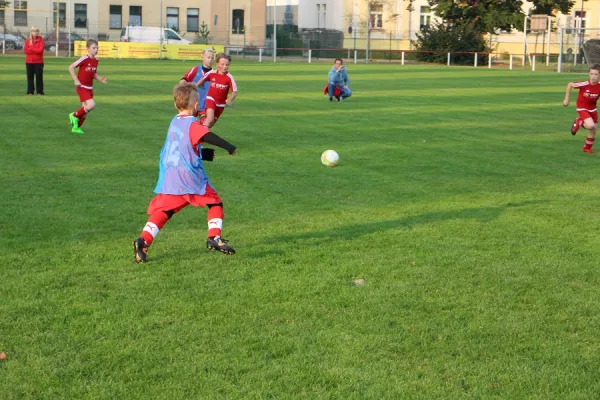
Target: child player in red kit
x=586, y=105
x=182, y=180
x=87, y=73
x=221, y=83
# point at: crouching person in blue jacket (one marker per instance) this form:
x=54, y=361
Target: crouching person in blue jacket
x=338, y=76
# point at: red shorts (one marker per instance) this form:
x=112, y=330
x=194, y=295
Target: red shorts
x=166, y=202
x=84, y=94
x=218, y=110
x=585, y=114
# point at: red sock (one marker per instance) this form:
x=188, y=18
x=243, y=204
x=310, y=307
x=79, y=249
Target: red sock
x=580, y=122
x=215, y=221
x=80, y=113
x=81, y=120
x=589, y=142
x=155, y=223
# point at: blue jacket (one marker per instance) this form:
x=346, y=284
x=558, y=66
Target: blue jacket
x=339, y=78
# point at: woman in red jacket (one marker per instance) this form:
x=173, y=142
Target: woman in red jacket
x=34, y=61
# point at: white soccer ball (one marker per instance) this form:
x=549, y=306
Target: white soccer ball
x=330, y=158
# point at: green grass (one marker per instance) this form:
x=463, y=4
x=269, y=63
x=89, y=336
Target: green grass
x=461, y=199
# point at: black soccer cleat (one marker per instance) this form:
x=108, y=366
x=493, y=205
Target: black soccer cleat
x=140, y=249
x=218, y=243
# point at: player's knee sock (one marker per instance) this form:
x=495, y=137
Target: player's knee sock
x=215, y=220
x=81, y=120
x=580, y=122
x=589, y=142
x=80, y=113
x=155, y=223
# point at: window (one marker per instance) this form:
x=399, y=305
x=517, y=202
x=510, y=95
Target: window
x=321, y=11
x=173, y=18
x=425, y=17
x=216, y=19
x=2, y=17
x=115, y=17
x=62, y=14
x=80, y=15
x=376, y=21
x=170, y=35
x=21, y=14
x=580, y=19
x=318, y=15
x=135, y=15
x=192, y=19
x=237, y=21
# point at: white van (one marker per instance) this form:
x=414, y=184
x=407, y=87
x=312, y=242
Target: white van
x=151, y=34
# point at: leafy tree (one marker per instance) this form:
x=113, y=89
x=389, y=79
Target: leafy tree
x=4, y=4
x=202, y=34
x=436, y=40
x=491, y=15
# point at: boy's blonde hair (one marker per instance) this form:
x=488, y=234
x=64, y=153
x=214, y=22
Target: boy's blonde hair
x=90, y=42
x=223, y=55
x=208, y=50
x=185, y=95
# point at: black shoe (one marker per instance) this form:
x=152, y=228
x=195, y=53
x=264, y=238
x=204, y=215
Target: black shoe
x=140, y=249
x=218, y=243
x=337, y=98
x=331, y=99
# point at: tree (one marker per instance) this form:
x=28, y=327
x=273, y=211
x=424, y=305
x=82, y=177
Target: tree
x=439, y=38
x=491, y=15
x=202, y=34
x=4, y=4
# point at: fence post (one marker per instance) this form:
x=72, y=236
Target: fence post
x=260, y=54
x=348, y=53
x=533, y=63
x=355, y=56
x=4, y=46
x=560, y=49
x=510, y=62
x=309, y=55
x=489, y=60
x=448, y=59
x=476, y=54
x=402, y=58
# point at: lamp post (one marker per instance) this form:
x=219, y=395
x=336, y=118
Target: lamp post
x=580, y=50
x=368, y=31
x=275, y=31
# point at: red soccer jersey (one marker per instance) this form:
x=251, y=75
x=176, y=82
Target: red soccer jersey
x=87, y=70
x=588, y=95
x=220, y=85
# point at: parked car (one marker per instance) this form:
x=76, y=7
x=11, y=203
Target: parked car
x=12, y=42
x=63, y=41
x=151, y=34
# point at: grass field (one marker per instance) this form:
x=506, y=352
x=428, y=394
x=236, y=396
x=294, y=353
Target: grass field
x=461, y=199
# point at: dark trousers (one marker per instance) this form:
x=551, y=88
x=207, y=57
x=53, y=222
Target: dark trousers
x=38, y=71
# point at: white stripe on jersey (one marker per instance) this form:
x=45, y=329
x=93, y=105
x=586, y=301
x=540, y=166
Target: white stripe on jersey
x=585, y=109
x=78, y=62
x=580, y=84
x=86, y=87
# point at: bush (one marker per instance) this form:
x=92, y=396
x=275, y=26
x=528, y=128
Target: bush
x=435, y=42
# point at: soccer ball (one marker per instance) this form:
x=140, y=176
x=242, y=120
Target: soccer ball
x=330, y=158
